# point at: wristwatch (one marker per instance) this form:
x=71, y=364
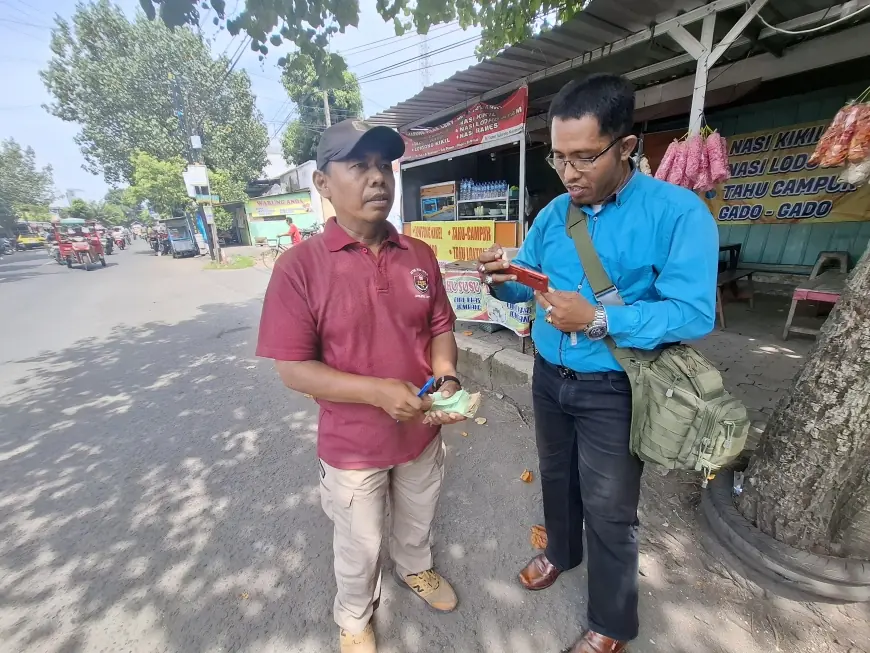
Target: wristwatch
x=597, y=328
x=441, y=380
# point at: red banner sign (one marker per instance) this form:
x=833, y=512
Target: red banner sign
x=478, y=124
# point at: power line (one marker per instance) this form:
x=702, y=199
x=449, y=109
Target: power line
x=374, y=73
x=389, y=40
x=413, y=45
x=21, y=22
x=408, y=72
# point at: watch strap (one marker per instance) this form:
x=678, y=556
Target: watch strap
x=441, y=380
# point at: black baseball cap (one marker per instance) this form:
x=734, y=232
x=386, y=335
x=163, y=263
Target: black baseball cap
x=348, y=137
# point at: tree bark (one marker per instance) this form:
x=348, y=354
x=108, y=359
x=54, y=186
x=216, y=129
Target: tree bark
x=808, y=484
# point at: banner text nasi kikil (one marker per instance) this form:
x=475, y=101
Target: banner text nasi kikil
x=478, y=124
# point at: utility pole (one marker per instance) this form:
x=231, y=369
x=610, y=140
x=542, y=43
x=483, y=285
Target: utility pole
x=193, y=147
x=326, y=108
x=423, y=66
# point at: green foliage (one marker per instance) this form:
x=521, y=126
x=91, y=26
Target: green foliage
x=80, y=209
x=223, y=219
x=120, y=207
x=25, y=190
x=230, y=190
x=300, y=79
x=311, y=24
x=124, y=82
x=160, y=183
x=232, y=263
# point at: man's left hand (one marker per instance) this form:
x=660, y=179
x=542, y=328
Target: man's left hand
x=567, y=311
x=440, y=418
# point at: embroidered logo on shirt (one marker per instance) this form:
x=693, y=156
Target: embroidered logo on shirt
x=421, y=282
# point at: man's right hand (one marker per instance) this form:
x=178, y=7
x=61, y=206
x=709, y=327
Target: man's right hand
x=491, y=264
x=399, y=399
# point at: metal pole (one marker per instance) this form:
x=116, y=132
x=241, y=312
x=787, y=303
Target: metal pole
x=522, y=224
x=326, y=108
x=211, y=227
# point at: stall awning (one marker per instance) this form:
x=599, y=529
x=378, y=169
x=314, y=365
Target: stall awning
x=630, y=37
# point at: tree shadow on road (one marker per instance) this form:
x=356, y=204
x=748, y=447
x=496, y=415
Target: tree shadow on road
x=158, y=492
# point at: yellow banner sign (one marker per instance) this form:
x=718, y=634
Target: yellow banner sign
x=773, y=183
x=455, y=240
x=275, y=205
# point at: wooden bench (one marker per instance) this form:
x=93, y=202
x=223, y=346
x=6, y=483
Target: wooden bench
x=730, y=277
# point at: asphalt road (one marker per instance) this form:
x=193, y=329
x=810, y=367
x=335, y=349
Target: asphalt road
x=158, y=485
x=159, y=494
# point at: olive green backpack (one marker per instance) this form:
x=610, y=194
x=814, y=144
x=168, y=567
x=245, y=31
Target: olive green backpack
x=682, y=416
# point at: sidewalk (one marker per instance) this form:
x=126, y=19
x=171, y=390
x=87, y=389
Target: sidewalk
x=690, y=601
x=756, y=363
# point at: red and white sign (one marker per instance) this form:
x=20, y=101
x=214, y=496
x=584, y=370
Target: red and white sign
x=478, y=124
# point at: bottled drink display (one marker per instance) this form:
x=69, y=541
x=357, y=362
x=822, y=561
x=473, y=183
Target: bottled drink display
x=487, y=190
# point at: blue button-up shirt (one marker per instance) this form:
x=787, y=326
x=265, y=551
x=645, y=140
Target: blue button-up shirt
x=660, y=247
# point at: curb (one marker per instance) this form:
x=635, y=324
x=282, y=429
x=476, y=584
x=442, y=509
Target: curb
x=497, y=369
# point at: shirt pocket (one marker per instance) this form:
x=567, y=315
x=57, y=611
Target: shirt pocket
x=633, y=280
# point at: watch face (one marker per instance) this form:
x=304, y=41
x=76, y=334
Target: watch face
x=596, y=332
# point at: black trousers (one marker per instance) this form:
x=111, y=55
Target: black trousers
x=588, y=475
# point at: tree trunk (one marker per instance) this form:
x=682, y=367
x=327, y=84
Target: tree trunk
x=808, y=484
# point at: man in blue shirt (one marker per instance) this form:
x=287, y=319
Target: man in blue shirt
x=659, y=246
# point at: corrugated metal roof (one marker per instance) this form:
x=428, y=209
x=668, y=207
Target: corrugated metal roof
x=607, y=35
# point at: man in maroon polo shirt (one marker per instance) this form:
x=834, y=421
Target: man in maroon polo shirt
x=358, y=318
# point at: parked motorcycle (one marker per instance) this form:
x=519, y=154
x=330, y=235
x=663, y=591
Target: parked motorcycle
x=159, y=244
x=308, y=233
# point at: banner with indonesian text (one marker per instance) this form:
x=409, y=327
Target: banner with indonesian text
x=478, y=124
x=772, y=183
x=472, y=303
x=455, y=240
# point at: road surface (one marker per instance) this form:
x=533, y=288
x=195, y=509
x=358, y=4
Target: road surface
x=159, y=493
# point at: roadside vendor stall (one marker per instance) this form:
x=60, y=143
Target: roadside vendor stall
x=462, y=181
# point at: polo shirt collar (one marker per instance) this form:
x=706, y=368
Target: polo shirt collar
x=337, y=238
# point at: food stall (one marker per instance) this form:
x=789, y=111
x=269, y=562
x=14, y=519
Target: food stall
x=461, y=192
x=461, y=181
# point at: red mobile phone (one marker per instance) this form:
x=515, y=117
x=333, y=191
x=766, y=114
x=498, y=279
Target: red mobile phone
x=530, y=278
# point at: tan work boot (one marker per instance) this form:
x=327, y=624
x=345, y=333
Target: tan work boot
x=363, y=642
x=433, y=588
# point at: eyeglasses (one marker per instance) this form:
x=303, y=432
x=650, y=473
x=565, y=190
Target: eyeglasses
x=559, y=163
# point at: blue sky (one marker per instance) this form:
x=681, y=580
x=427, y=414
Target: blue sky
x=24, y=50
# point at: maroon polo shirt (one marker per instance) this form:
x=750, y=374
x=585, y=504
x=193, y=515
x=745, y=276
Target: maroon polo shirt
x=332, y=300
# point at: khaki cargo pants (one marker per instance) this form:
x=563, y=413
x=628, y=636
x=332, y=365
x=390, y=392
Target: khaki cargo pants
x=356, y=502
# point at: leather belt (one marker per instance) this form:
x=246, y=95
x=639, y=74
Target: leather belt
x=573, y=375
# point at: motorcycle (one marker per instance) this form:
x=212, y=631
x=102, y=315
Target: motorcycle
x=109, y=244
x=121, y=242
x=308, y=233
x=53, y=251
x=159, y=243
x=6, y=247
